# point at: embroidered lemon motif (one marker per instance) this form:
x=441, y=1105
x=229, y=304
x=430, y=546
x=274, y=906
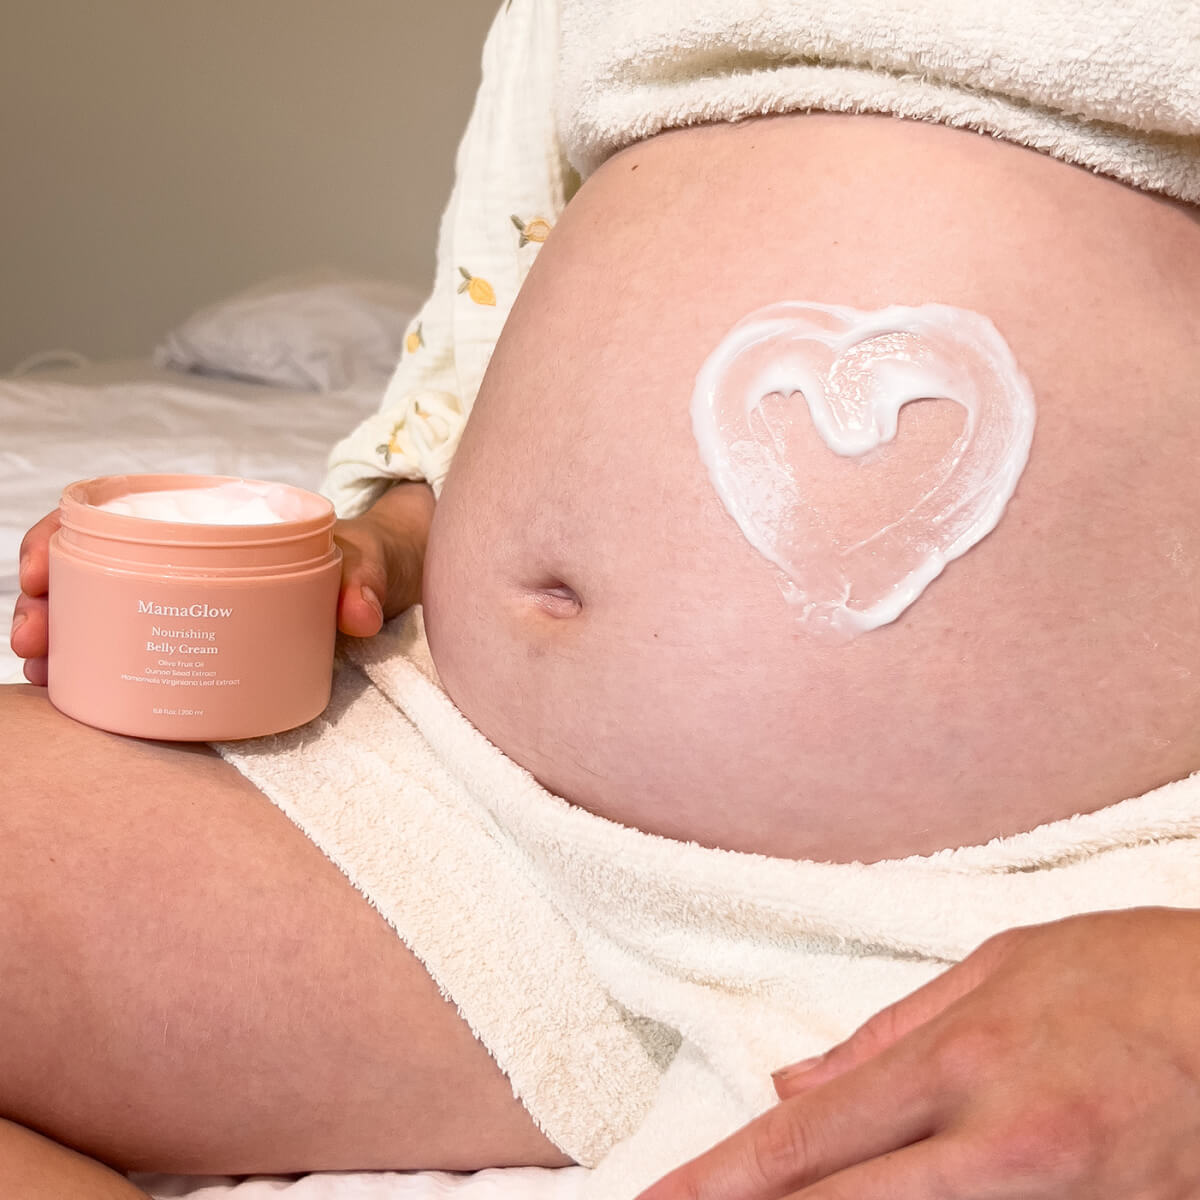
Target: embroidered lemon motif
x=537, y=230
x=478, y=289
x=415, y=340
x=391, y=446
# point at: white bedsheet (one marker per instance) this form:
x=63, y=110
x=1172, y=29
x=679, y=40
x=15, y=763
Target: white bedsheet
x=134, y=417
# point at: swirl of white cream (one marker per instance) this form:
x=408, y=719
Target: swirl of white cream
x=855, y=370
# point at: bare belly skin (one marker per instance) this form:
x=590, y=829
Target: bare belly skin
x=594, y=610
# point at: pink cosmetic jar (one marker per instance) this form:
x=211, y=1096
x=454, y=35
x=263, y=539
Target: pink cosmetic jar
x=199, y=626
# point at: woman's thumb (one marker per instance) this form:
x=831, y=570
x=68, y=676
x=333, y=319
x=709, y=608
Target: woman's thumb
x=364, y=581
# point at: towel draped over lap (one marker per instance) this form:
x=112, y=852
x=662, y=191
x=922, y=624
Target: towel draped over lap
x=638, y=991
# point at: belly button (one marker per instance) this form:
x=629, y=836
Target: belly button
x=556, y=599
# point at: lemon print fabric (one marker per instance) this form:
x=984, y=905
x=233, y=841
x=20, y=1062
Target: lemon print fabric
x=415, y=340
x=395, y=444
x=392, y=445
x=537, y=230
x=477, y=288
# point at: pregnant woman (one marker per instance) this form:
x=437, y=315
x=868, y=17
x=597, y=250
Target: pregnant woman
x=188, y=984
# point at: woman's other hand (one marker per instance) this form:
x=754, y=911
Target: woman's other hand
x=29, y=638
x=383, y=556
x=1057, y=1062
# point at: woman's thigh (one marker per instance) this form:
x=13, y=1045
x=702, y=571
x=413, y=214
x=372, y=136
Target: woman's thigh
x=187, y=984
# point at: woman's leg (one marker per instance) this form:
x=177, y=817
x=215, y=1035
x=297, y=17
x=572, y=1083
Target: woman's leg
x=35, y=1168
x=188, y=985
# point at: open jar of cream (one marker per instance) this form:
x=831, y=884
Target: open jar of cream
x=192, y=607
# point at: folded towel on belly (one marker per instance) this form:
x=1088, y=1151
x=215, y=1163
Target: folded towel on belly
x=638, y=991
x=1113, y=87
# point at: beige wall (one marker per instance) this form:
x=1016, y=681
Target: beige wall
x=158, y=154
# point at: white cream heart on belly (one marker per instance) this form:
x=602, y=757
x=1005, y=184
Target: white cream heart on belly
x=850, y=372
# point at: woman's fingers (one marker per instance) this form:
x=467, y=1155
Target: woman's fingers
x=35, y=556
x=891, y=1024
x=29, y=630
x=927, y=1170
x=29, y=634
x=364, y=581
x=383, y=554
x=883, y=1107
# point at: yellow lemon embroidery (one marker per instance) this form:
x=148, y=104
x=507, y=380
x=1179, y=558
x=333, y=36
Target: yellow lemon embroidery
x=478, y=289
x=537, y=230
x=391, y=446
x=415, y=340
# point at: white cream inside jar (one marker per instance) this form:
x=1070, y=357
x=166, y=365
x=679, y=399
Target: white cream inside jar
x=239, y=502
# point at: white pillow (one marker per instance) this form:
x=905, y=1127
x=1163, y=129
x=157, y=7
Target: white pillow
x=316, y=332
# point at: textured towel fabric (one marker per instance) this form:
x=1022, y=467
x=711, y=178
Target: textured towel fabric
x=1113, y=87
x=638, y=991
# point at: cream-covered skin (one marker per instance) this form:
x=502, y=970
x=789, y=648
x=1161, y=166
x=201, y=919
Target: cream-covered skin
x=595, y=612
x=849, y=373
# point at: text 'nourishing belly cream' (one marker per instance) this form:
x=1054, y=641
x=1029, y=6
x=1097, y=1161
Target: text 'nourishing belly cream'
x=192, y=607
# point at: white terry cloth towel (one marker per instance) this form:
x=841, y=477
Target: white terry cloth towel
x=1113, y=87
x=639, y=991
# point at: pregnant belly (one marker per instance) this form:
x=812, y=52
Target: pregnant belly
x=595, y=610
